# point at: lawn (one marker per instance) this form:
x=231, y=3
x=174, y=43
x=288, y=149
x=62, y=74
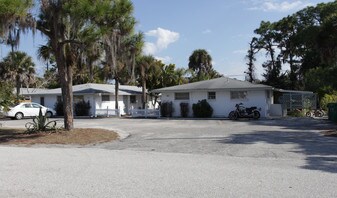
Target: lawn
x=78, y=136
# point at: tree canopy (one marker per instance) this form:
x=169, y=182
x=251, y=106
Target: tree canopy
x=306, y=43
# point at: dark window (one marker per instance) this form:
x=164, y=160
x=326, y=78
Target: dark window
x=27, y=106
x=211, y=95
x=133, y=99
x=182, y=96
x=238, y=95
x=36, y=106
x=105, y=97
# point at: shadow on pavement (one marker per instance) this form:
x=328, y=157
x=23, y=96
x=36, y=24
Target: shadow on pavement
x=320, y=151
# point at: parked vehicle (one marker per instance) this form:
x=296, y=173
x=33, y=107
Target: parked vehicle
x=244, y=112
x=28, y=109
x=315, y=113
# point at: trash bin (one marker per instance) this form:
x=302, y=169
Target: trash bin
x=332, y=112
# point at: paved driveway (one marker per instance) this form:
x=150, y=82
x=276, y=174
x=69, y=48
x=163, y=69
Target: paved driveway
x=180, y=158
x=291, y=138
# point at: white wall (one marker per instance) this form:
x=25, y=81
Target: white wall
x=96, y=102
x=223, y=104
x=49, y=100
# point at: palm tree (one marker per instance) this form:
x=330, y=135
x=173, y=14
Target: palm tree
x=117, y=25
x=14, y=18
x=62, y=22
x=144, y=63
x=200, y=62
x=180, y=76
x=18, y=67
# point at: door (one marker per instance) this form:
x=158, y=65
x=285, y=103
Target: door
x=126, y=104
x=42, y=101
x=27, y=109
x=36, y=109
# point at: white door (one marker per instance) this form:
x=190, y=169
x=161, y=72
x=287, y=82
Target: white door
x=27, y=109
x=36, y=109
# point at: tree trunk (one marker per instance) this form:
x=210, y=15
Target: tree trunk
x=18, y=86
x=67, y=90
x=91, y=72
x=144, y=93
x=116, y=92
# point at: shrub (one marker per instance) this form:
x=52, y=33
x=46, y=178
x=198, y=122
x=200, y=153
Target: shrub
x=184, y=109
x=166, y=109
x=82, y=108
x=40, y=123
x=296, y=113
x=328, y=99
x=202, y=109
x=58, y=107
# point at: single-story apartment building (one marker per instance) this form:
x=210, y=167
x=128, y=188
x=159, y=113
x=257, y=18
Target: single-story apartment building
x=100, y=96
x=221, y=93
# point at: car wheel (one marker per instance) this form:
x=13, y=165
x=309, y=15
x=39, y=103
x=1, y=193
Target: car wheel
x=19, y=116
x=49, y=114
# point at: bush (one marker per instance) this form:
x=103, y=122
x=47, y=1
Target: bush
x=166, y=109
x=40, y=124
x=82, y=108
x=202, y=109
x=184, y=109
x=328, y=99
x=58, y=107
x=296, y=113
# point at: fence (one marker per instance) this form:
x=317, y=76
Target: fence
x=107, y=112
x=146, y=113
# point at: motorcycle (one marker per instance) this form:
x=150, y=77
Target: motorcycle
x=243, y=112
x=315, y=113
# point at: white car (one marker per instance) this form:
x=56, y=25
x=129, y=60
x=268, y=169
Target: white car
x=28, y=109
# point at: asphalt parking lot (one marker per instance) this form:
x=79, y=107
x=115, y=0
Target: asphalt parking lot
x=179, y=158
x=289, y=138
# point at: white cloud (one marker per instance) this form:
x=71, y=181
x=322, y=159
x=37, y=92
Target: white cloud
x=164, y=39
x=278, y=5
x=150, y=48
x=165, y=59
x=207, y=31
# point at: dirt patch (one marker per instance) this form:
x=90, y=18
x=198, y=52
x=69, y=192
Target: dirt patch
x=75, y=136
x=330, y=133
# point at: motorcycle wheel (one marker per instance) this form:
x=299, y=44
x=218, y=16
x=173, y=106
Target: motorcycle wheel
x=308, y=114
x=256, y=115
x=235, y=116
x=231, y=115
x=318, y=114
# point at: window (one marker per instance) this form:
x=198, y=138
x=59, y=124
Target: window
x=182, y=96
x=211, y=95
x=36, y=106
x=238, y=95
x=268, y=94
x=27, y=106
x=133, y=99
x=105, y=98
x=78, y=98
x=59, y=98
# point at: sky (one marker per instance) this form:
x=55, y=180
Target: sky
x=175, y=28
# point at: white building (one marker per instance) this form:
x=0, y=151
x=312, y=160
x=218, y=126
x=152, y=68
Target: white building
x=100, y=96
x=221, y=93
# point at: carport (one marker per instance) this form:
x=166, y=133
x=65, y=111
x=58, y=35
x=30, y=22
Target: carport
x=291, y=100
